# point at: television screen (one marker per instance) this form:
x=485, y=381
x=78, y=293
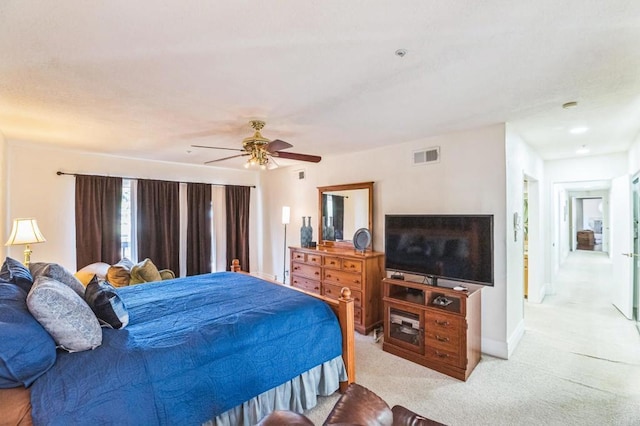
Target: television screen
x=456, y=247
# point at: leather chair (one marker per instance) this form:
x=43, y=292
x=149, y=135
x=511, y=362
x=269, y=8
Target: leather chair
x=357, y=406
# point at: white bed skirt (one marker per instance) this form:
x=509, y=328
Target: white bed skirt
x=298, y=394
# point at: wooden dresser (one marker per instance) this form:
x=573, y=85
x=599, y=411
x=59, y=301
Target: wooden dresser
x=437, y=327
x=326, y=270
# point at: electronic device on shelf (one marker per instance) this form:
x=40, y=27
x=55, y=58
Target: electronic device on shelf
x=442, y=301
x=452, y=247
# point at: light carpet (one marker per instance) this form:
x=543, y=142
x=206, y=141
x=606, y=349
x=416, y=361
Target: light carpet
x=578, y=363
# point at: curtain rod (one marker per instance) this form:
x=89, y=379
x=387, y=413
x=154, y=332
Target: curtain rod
x=59, y=173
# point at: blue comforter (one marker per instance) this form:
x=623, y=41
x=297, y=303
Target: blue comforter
x=194, y=348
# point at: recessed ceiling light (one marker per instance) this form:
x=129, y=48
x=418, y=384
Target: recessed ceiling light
x=401, y=52
x=578, y=130
x=582, y=150
x=571, y=104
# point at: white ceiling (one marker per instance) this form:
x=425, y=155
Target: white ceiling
x=147, y=78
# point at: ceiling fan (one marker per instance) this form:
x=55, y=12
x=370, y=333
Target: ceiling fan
x=262, y=151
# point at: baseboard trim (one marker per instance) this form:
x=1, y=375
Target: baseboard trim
x=495, y=348
x=514, y=339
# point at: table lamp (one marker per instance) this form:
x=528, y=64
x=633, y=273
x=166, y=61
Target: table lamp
x=25, y=231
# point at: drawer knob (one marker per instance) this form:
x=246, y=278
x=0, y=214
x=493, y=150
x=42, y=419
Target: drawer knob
x=317, y=273
x=443, y=323
x=441, y=355
x=316, y=288
x=328, y=275
x=442, y=339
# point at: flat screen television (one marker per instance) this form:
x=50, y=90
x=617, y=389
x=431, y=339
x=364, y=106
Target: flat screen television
x=454, y=247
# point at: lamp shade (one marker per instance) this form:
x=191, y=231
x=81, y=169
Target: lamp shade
x=286, y=215
x=25, y=231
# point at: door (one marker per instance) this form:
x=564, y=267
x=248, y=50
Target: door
x=621, y=245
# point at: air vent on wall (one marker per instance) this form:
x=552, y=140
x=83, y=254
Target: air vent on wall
x=426, y=156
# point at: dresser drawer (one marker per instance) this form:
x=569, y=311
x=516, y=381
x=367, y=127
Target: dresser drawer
x=305, y=270
x=342, y=278
x=314, y=259
x=444, y=324
x=297, y=256
x=332, y=262
x=305, y=284
x=441, y=355
x=442, y=338
x=333, y=292
x=352, y=265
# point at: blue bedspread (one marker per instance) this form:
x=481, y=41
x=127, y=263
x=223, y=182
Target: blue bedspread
x=194, y=348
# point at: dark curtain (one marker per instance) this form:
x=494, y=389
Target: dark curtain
x=198, y=228
x=237, y=203
x=159, y=223
x=98, y=201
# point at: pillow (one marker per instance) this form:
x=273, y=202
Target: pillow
x=85, y=274
x=58, y=273
x=64, y=314
x=27, y=350
x=144, y=272
x=167, y=274
x=106, y=303
x=119, y=275
x=16, y=273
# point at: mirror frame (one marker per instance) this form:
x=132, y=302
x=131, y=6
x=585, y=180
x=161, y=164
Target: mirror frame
x=344, y=187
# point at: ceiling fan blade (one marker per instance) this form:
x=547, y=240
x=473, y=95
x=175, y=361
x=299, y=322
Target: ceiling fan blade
x=216, y=147
x=277, y=145
x=225, y=158
x=299, y=157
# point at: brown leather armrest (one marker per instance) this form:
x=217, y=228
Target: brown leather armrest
x=359, y=406
x=405, y=417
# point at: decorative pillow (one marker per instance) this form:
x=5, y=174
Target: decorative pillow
x=64, y=314
x=85, y=274
x=27, y=350
x=16, y=273
x=126, y=263
x=119, y=275
x=106, y=303
x=58, y=273
x=144, y=272
x=167, y=274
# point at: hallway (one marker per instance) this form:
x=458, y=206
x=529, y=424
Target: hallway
x=580, y=336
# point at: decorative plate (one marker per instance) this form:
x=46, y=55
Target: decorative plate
x=362, y=239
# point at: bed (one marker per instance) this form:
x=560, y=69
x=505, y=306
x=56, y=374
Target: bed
x=222, y=348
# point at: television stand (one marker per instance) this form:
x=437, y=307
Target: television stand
x=437, y=327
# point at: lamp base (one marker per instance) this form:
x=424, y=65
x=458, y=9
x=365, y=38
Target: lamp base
x=27, y=256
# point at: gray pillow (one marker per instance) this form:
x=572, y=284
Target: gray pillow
x=64, y=314
x=58, y=273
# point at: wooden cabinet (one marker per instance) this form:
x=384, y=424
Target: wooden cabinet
x=326, y=270
x=437, y=327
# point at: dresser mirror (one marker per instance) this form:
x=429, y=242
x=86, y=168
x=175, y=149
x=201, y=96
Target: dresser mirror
x=342, y=210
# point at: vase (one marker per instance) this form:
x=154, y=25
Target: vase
x=306, y=232
x=330, y=232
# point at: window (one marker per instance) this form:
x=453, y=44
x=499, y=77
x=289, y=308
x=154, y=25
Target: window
x=126, y=211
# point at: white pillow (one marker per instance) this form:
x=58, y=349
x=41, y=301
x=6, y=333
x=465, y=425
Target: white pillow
x=65, y=315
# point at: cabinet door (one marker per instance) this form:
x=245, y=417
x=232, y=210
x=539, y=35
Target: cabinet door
x=404, y=327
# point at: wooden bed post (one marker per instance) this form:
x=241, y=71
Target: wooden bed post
x=345, y=317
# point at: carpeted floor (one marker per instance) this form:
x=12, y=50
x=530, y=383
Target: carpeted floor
x=577, y=364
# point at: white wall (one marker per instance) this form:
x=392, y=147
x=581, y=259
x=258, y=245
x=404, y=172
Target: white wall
x=470, y=178
x=36, y=191
x=5, y=229
x=521, y=162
